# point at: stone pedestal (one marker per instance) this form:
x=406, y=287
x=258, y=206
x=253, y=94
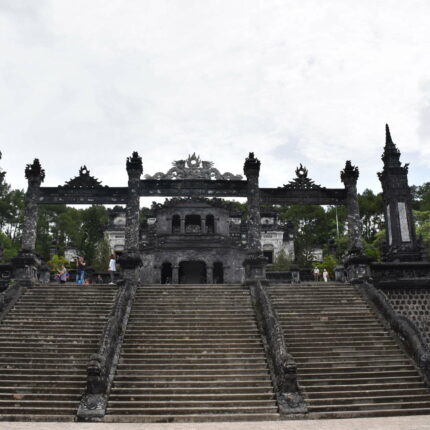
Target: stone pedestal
x=25, y=267
x=255, y=268
x=339, y=274
x=130, y=263
x=357, y=268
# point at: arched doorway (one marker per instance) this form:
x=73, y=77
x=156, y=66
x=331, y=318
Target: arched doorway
x=218, y=273
x=166, y=273
x=192, y=272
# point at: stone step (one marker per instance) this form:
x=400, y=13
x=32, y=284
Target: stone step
x=404, y=397
x=188, y=403
x=164, y=410
x=373, y=406
x=136, y=417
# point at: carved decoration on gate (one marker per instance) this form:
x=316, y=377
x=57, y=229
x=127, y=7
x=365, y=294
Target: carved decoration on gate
x=301, y=181
x=194, y=168
x=83, y=180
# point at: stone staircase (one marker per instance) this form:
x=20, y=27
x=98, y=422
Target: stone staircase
x=192, y=353
x=348, y=364
x=45, y=343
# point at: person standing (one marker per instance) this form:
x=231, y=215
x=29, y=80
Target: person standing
x=112, y=269
x=316, y=274
x=80, y=270
x=325, y=275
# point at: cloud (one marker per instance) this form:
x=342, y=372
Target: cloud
x=311, y=82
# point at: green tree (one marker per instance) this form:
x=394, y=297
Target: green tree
x=102, y=256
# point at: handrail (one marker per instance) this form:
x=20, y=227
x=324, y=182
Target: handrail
x=405, y=329
x=102, y=365
x=9, y=297
x=284, y=367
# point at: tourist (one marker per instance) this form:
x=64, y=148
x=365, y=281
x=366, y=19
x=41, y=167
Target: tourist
x=112, y=269
x=62, y=274
x=80, y=270
x=316, y=274
x=325, y=275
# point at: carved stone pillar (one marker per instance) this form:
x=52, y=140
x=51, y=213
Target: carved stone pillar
x=130, y=260
x=203, y=225
x=255, y=263
x=209, y=275
x=357, y=264
x=182, y=224
x=349, y=177
x=400, y=227
x=175, y=275
x=25, y=264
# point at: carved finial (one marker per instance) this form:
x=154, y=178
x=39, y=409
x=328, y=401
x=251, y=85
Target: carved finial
x=349, y=173
x=391, y=155
x=134, y=163
x=34, y=172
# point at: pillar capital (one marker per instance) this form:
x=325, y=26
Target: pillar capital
x=134, y=165
x=251, y=166
x=34, y=172
x=349, y=175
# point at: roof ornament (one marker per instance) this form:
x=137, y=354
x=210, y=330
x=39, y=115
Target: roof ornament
x=83, y=180
x=194, y=168
x=301, y=181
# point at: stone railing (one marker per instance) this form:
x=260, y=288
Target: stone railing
x=403, y=274
x=9, y=297
x=102, y=365
x=402, y=326
x=283, y=366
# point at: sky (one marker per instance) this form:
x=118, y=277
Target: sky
x=294, y=81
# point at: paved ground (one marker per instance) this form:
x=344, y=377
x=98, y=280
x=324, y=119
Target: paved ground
x=420, y=422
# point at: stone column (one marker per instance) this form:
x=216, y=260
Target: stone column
x=130, y=260
x=203, y=225
x=182, y=224
x=25, y=264
x=357, y=264
x=255, y=263
x=175, y=275
x=349, y=177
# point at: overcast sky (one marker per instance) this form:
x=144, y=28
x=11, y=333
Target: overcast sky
x=299, y=81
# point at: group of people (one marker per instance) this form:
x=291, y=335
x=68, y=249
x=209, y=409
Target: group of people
x=63, y=275
x=317, y=274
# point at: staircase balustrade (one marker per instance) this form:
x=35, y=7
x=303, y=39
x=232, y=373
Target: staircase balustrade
x=9, y=297
x=284, y=367
x=102, y=365
x=404, y=328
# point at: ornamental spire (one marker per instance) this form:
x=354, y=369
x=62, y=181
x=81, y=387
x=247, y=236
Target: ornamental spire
x=391, y=155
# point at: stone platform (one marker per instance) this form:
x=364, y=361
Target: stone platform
x=414, y=422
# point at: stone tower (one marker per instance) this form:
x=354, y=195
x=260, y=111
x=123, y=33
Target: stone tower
x=401, y=242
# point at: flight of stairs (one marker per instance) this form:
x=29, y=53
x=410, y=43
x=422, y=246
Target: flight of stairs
x=348, y=364
x=45, y=343
x=192, y=353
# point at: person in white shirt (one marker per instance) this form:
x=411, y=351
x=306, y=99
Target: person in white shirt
x=112, y=269
x=325, y=275
x=316, y=274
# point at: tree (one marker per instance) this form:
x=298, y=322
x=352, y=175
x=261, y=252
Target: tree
x=102, y=256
